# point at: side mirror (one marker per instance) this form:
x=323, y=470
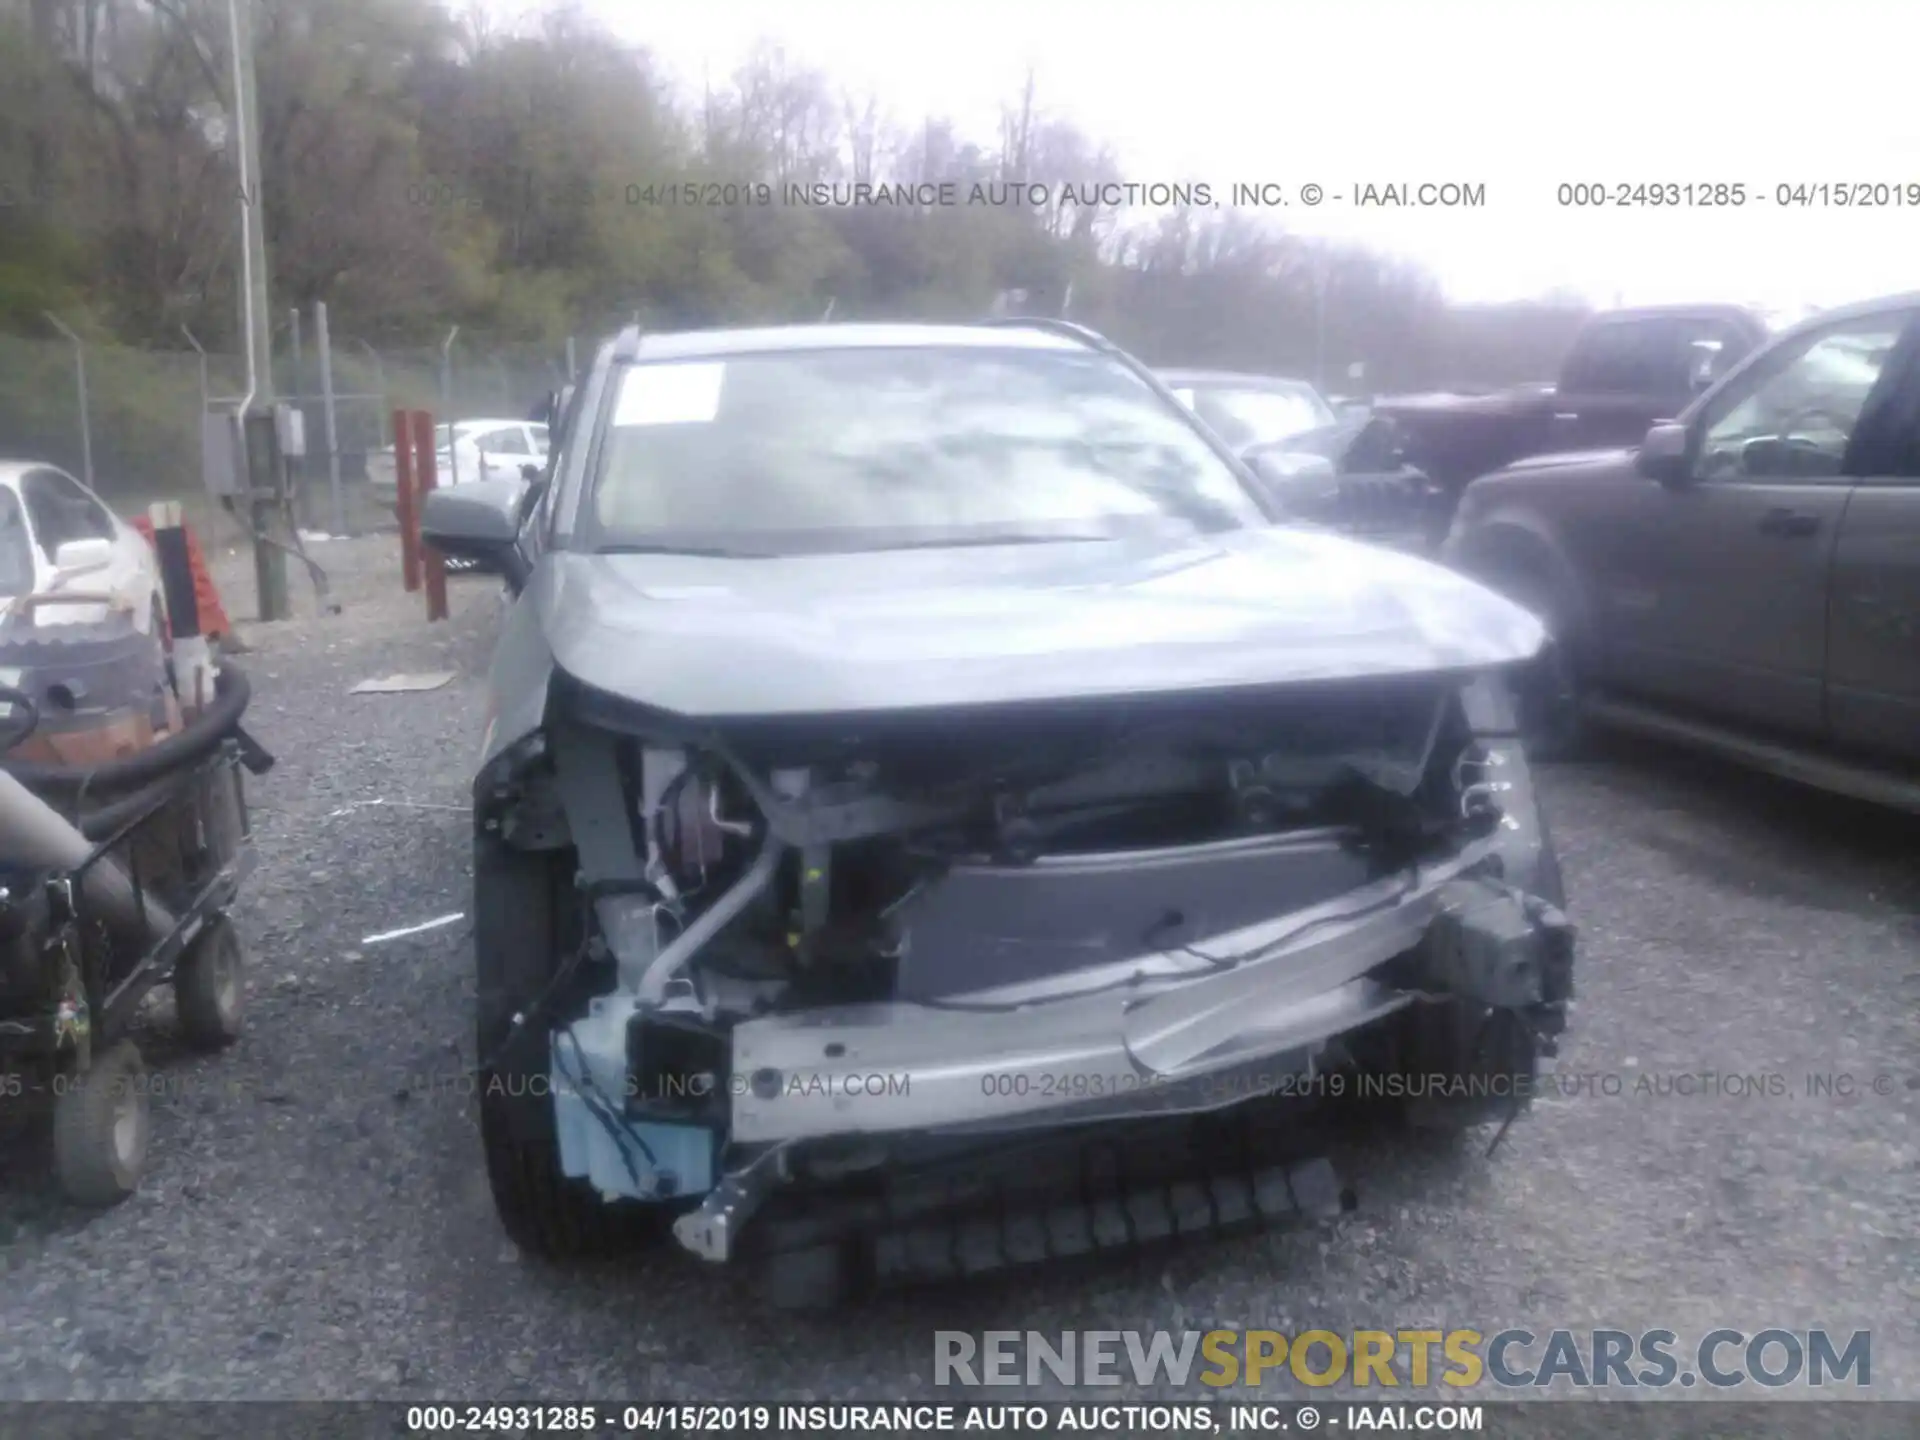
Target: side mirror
x=78, y=557
x=478, y=521
x=1665, y=453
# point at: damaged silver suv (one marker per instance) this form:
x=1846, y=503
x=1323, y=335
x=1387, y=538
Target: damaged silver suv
x=936, y=813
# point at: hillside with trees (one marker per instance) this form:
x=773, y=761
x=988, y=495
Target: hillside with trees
x=422, y=169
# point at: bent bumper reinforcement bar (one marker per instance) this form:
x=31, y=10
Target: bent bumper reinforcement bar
x=1140, y=1049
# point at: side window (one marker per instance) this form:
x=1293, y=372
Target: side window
x=1611, y=359
x=510, y=441
x=16, y=551
x=90, y=518
x=52, y=521
x=1797, y=412
x=1704, y=350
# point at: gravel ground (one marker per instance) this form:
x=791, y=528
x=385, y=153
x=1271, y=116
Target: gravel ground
x=316, y=1224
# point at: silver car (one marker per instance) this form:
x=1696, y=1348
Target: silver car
x=935, y=813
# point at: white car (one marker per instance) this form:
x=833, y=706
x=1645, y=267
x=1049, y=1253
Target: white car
x=468, y=450
x=58, y=539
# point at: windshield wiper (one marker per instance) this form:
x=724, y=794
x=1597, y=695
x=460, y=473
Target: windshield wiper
x=704, y=552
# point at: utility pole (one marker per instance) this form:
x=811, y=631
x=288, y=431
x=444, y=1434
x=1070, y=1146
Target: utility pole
x=265, y=481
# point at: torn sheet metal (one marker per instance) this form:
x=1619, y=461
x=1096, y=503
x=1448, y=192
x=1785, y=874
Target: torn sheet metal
x=403, y=684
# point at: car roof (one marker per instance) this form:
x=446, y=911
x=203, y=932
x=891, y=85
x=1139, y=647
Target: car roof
x=1230, y=377
x=701, y=344
x=1859, y=310
x=1630, y=313
x=12, y=472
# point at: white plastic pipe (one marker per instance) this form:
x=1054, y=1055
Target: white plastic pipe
x=33, y=833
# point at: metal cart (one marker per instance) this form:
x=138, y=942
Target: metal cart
x=72, y=980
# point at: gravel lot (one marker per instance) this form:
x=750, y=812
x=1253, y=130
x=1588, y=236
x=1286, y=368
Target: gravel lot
x=316, y=1224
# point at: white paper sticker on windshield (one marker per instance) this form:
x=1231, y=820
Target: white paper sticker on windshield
x=670, y=394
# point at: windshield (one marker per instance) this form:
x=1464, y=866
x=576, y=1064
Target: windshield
x=1249, y=415
x=16, y=547
x=811, y=452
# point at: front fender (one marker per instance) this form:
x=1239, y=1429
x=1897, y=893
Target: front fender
x=518, y=679
x=1515, y=551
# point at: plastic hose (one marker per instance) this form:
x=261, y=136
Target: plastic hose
x=219, y=720
x=99, y=823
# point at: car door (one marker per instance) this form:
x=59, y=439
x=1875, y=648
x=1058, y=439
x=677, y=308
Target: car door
x=1719, y=598
x=1873, y=645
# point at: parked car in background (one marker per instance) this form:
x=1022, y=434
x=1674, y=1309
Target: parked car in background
x=1249, y=410
x=468, y=450
x=942, y=701
x=1344, y=468
x=1748, y=579
x=1624, y=370
x=58, y=539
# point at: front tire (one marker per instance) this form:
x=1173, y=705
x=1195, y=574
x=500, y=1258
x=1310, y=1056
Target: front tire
x=526, y=921
x=101, y=1128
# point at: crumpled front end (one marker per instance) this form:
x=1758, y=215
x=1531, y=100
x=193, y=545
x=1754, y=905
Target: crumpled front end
x=832, y=947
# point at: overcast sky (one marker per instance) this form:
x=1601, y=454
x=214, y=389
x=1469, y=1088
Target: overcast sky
x=1518, y=96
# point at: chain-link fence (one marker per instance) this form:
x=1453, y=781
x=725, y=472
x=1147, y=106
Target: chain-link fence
x=129, y=420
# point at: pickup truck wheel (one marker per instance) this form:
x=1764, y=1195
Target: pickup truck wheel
x=525, y=923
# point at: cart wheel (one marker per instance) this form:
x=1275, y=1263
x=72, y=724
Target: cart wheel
x=101, y=1127
x=209, y=986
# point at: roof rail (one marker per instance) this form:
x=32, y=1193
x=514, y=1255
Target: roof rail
x=1072, y=330
x=1087, y=336
x=627, y=346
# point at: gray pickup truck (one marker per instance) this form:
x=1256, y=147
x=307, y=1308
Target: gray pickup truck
x=1746, y=578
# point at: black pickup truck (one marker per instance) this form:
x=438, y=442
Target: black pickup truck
x=1625, y=370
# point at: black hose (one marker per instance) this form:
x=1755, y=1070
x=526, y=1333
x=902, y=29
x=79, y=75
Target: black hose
x=199, y=740
x=109, y=819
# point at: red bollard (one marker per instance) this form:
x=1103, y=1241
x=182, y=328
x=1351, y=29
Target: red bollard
x=404, y=502
x=432, y=567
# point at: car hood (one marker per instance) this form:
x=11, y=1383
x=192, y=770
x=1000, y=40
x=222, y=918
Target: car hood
x=915, y=629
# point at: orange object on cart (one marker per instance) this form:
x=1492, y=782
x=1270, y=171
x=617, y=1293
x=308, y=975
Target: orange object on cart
x=213, y=615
